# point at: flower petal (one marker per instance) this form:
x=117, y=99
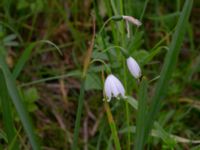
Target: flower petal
x=114, y=87
x=119, y=86
x=107, y=88
x=133, y=67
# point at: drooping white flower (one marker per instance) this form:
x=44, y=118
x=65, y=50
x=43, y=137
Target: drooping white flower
x=132, y=20
x=133, y=67
x=113, y=87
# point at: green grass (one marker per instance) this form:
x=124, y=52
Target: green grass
x=141, y=115
x=22, y=112
x=53, y=65
x=7, y=113
x=169, y=64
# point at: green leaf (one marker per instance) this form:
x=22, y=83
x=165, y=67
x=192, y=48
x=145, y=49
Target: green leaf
x=156, y=133
x=92, y=82
x=22, y=112
x=141, y=115
x=8, y=120
x=133, y=102
x=31, y=95
x=22, y=60
x=3, y=136
x=169, y=141
x=169, y=65
x=26, y=55
x=99, y=55
x=78, y=115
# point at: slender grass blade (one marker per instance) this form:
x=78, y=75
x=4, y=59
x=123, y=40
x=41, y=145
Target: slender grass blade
x=169, y=65
x=22, y=112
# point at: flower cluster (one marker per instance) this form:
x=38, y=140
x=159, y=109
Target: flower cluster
x=113, y=87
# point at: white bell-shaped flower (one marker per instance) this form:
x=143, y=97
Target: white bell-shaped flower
x=113, y=87
x=133, y=67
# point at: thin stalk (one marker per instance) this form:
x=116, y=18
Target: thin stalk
x=33, y=24
x=113, y=25
x=112, y=126
x=142, y=15
x=136, y=32
x=101, y=131
x=128, y=124
x=78, y=115
x=104, y=25
x=178, y=4
x=122, y=24
x=6, y=7
x=144, y=9
x=123, y=39
x=127, y=108
x=114, y=7
x=98, y=17
x=82, y=90
x=75, y=8
x=141, y=115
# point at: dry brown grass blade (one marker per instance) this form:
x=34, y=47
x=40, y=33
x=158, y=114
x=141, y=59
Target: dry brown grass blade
x=89, y=51
x=192, y=102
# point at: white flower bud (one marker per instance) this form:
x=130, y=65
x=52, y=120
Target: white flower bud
x=132, y=20
x=113, y=87
x=133, y=67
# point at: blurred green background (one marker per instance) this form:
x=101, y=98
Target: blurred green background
x=32, y=34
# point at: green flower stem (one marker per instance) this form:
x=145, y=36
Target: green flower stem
x=112, y=126
x=78, y=115
x=127, y=107
x=82, y=90
x=115, y=18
